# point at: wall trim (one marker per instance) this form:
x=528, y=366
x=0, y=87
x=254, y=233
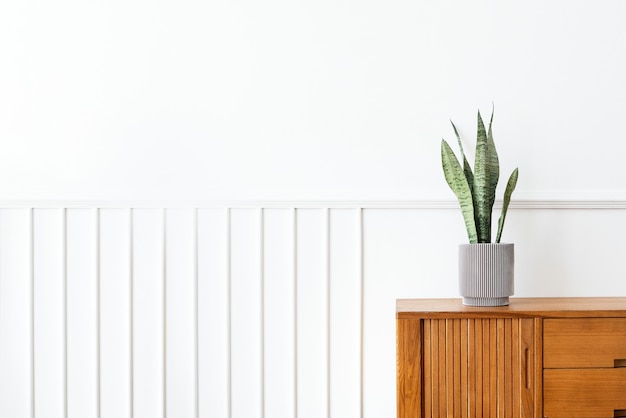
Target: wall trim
x=311, y=204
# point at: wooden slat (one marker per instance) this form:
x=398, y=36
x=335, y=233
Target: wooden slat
x=442, y=369
x=501, y=370
x=456, y=323
x=435, y=385
x=516, y=378
x=471, y=367
x=478, y=344
x=538, y=367
x=486, y=368
x=493, y=371
x=508, y=369
x=449, y=366
x=428, y=365
x=464, y=366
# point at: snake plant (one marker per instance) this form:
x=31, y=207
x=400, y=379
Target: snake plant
x=476, y=190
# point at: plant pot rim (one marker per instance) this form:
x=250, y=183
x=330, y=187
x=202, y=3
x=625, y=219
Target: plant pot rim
x=489, y=243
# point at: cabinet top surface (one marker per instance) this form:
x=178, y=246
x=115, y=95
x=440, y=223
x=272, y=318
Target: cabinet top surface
x=518, y=307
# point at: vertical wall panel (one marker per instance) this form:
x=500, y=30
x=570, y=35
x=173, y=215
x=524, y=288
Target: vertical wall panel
x=213, y=314
x=289, y=286
x=345, y=313
x=403, y=258
x=312, y=313
x=15, y=313
x=49, y=295
x=82, y=314
x=148, y=314
x=180, y=326
x=246, y=314
x=115, y=281
x=291, y=292
x=279, y=313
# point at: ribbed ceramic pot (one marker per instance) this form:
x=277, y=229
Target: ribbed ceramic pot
x=486, y=274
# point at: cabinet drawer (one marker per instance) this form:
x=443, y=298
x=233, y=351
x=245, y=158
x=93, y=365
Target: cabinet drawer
x=584, y=393
x=584, y=342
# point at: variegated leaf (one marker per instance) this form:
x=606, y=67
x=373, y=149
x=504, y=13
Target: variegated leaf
x=510, y=186
x=482, y=184
x=455, y=177
x=467, y=169
x=494, y=165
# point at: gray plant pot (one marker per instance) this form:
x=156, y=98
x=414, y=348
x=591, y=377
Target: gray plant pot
x=486, y=274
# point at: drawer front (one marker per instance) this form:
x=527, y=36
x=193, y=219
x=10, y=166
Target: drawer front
x=584, y=393
x=584, y=342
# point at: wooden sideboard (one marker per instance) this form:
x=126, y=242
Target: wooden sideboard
x=537, y=357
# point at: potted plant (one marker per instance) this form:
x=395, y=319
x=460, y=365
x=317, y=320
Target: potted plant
x=486, y=269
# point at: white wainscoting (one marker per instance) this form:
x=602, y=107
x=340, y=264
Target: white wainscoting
x=249, y=310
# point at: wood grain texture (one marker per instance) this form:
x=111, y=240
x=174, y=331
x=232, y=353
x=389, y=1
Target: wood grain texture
x=589, y=342
x=507, y=361
x=584, y=392
x=516, y=371
x=441, y=364
x=465, y=371
x=538, y=367
x=486, y=368
x=469, y=368
x=527, y=361
x=409, y=373
x=518, y=308
x=427, y=375
x=501, y=371
x=508, y=368
x=478, y=366
x=457, y=364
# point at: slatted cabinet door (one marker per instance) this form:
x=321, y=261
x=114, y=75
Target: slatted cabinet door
x=471, y=367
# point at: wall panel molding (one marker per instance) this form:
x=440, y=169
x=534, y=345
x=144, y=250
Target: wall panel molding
x=519, y=201
x=281, y=309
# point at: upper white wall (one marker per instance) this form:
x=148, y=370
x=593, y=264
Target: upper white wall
x=278, y=99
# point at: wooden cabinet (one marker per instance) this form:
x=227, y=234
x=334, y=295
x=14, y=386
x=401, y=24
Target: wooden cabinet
x=552, y=357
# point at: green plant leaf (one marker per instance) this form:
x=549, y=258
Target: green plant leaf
x=455, y=177
x=467, y=169
x=482, y=184
x=510, y=186
x=494, y=166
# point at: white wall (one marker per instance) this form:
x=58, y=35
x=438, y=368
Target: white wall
x=314, y=100
x=156, y=104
